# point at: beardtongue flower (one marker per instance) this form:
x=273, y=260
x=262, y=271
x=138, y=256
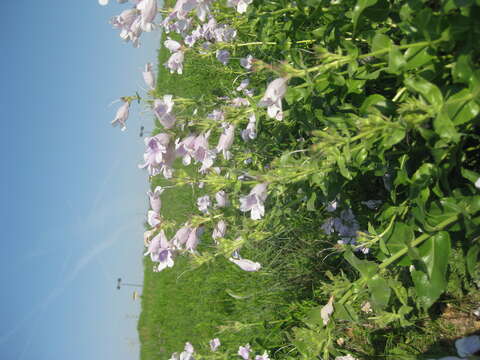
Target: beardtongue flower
x=154, y=197
x=244, y=351
x=181, y=236
x=226, y=140
x=148, y=12
x=273, y=98
x=249, y=133
x=247, y=62
x=262, y=357
x=153, y=218
x=163, y=111
x=243, y=85
x=223, y=56
x=204, y=203
x=238, y=101
x=253, y=202
x=214, y=344
x=241, y=5
x=175, y=63
x=219, y=230
x=121, y=116
x=149, y=76
x=221, y=199
x=193, y=239
x=246, y=265
x=172, y=45
x=158, y=242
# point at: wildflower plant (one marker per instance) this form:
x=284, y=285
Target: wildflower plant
x=350, y=124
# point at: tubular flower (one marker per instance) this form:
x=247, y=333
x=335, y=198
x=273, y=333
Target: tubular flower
x=175, y=63
x=203, y=203
x=254, y=201
x=244, y=351
x=153, y=218
x=172, y=45
x=148, y=12
x=193, y=239
x=247, y=62
x=181, y=236
x=273, y=98
x=159, y=155
x=223, y=56
x=121, y=116
x=246, y=265
x=149, y=76
x=241, y=5
x=214, y=344
x=226, y=140
x=163, y=111
x=154, y=197
x=249, y=133
x=221, y=199
x=219, y=230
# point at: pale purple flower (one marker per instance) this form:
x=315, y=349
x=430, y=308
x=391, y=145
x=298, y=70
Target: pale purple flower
x=223, y=56
x=203, y=203
x=241, y=5
x=149, y=76
x=154, y=197
x=193, y=239
x=172, y=45
x=332, y=206
x=221, y=198
x=226, y=140
x=214, y=344
x=244, y=352
x=372, y=204
x=247, y=62
x=148, y=12
x=147, y=235
x=327, y=226
x=468, y=346
x=249, y=133
x=189, y=348
x=158, y=242
x=187, y=354
x=196, y=147
x=153, y=218
x=273, y=98
x=175, y=63
x=219, y=230
x=217, y=115
x=238, y=101
x=121, y=116
x=246, y=265
x=181, y=236
x=159, y=155
x=262, y=357
x=243, y=85
x=203, y=9
x=254, y=201
x=163, y=111
x=224, y=33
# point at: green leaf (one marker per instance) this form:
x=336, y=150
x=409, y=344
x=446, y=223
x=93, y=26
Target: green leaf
x=360, y=6
x=430, y=284
x=380, y=291
x=470, y=175
x=398, y=238
x=394, y=135
x=462, y=70
x=396, y=61
x=445, y=128
x=417, y=57
x=472, y=261
x=381, y=42
x=311, y=202
x=366, y=268
x=461, y=108
x=429, y=91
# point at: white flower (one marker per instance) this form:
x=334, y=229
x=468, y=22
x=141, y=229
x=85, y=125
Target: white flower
x=175, y=63
x=247, y=62
x=149, y=76
x=254, y=201
x=214, y=344
x=477, y=183
x=204, y=203
x=249, y=133
x=172, y=45
x=219, y=230
x=327, y=311
x=121, y=116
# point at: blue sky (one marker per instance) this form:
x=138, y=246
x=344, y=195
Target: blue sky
x=73, y=198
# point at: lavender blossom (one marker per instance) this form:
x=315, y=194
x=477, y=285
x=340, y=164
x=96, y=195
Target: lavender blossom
x=175, y=63
x=243, y=85
x=254, y=201
x=159, y=155
x=181, y=236
x=153, y=218
x=226, y=141
x=193, y=239
x=154, y=197
x=221, y=199
x=273, y=98
x=219, y=230
x=223, y=56
x=244, y=352
x=249, y=133
x=217, y=115
x=172, y=45
x=238, y=101
x=241, y=5
x=204, y=203
x=121, y=116
x=149, y=76
x=214, y=344
x=262, y=357
x=247, y=62
x=148, y=12
x=163, y=111
x=246, y=265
